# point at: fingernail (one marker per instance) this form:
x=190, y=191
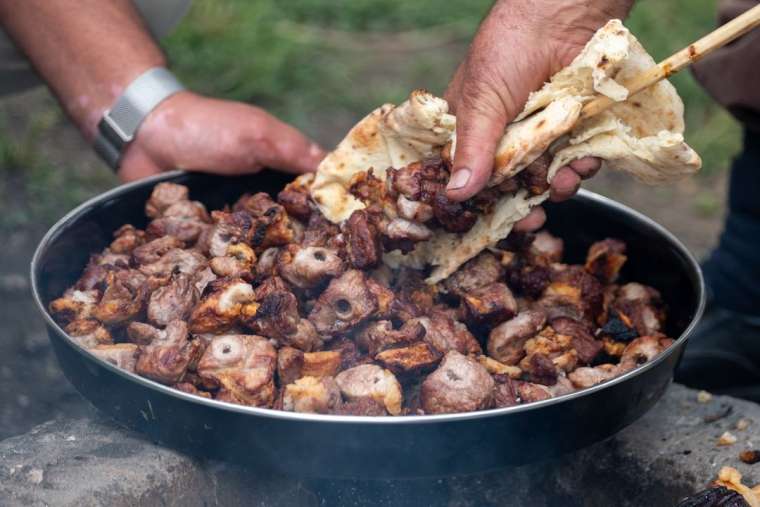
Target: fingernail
x=459, y=179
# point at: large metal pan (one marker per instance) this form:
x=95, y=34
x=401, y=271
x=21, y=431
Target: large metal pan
x=364, y=447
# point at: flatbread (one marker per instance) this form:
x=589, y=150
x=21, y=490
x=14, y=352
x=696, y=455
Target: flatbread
x=641, y=135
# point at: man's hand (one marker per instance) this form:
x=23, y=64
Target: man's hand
x=188, y=131
x=519, y=45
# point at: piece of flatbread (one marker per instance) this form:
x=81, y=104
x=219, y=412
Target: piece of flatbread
x=641, y=135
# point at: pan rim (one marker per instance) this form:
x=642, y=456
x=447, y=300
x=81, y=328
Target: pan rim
x=351, y=419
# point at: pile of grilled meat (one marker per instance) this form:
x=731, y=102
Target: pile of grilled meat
x=268, y=304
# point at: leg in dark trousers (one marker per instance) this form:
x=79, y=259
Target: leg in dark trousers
x=723, y=355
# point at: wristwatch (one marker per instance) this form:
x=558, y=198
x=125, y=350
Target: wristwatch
x=118, y=126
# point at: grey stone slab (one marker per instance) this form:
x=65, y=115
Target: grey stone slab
x=668, y=454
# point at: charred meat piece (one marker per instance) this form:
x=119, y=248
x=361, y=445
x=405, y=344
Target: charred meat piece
x=266, y=265
x=573, y=293
x=540, y=369
x=414, y=359
x=308, y=267
x=295, y=197
x=166, y=358
x=345, y=303
x=319, y=231
x=506, y=342
x=527, y=279
x=530, y=392
x=362, y=237
x=350, y=355
x=174, y=301
x=185, y=220
x=445, y=334
x=544, y=250
x=414, y=211
x=321, y=364
x=238, y=263
x=312, y=395
x=719, y=496
x=460, y=384
x=402, y=234
x=123, y=299
x=419, y=181
x=152, y=251
x=271, y=224
x=289, y=365
x=371, y=381
x=619, y=328
x=587, y=376
x=242, y=365
x=361, y=406
x=484, y=269
x=535, y=177
x=228, y=229
x=640, y=307
x=380, y=335
x=74, y=305
x=490, y=304
x=163, y=196
x=190, y=388
x=548, y=344
x=277, y=314
x=121, y=355
x=605, y=259
x=257, y=205
x=175, y=261
x=452, y=215
x=228, y=301
x=506, y=394
x=88, y=333
x=126, y=239
x=642, y=350
x=582, y=340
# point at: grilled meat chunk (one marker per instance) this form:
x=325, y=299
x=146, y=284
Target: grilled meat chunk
x=243, y=366
x=174, y=301
x=345, y=303
x=318, y=395
x=166, y=358
x=605, y=259
x=228, y=301
x=506, y=342
x=490, y=304
x=289, y=365
x=88, y=333
x=363, y=244
x=484, y=269
x=371, y=381
x=295, y=197
x=445, y=334
x=308, y=267
x=121, y=355
x=413, y=359
x=164, y=195
x=380, y=335
x=460, y=384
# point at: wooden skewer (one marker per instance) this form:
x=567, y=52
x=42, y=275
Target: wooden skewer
x=693, y=52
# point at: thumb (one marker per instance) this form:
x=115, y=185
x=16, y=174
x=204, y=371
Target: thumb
x=287, y=149
x=480, y=124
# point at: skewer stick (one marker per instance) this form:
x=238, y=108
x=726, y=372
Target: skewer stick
x=693, y=52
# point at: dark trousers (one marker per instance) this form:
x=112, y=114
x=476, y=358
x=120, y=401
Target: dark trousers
x=732, y=271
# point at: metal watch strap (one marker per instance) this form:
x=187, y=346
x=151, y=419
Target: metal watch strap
x=118, y=126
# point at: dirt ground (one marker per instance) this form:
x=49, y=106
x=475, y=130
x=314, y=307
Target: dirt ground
x=31, y=386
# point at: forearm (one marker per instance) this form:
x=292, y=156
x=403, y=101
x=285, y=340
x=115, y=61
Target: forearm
x=87, y=51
